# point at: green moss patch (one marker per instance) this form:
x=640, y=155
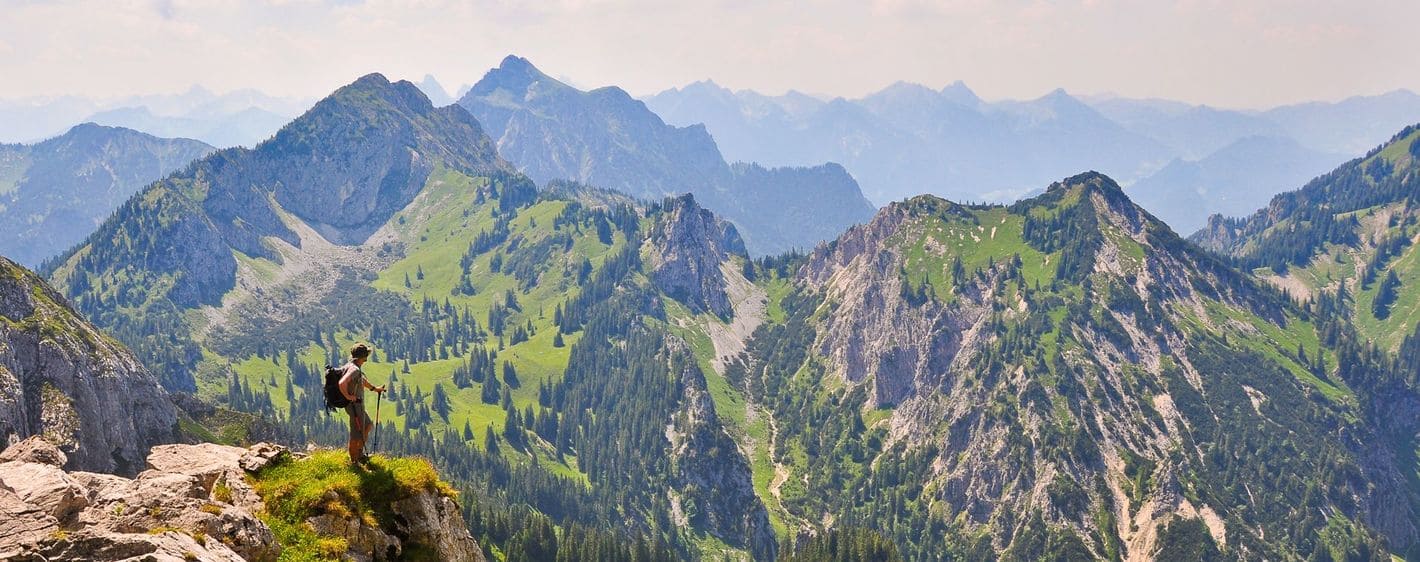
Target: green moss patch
x=326, y=483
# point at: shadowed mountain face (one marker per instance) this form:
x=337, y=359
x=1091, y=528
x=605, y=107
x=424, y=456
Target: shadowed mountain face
x=54, y=193
x=606, y=138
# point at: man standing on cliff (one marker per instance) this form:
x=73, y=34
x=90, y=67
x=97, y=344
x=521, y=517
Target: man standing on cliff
x=353, y=385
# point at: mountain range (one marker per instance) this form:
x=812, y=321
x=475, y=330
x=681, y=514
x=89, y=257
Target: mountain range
x=238, y=118
x=54, y=193
x=908, y=139
x=608, y=139
x=1233, y=180
x=1063, y=377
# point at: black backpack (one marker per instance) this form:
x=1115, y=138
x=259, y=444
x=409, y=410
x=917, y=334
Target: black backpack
x=334, y=398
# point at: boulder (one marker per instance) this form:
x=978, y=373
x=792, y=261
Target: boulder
x=45, y=487
x=167, y=546
x=35, y=449
x=21, y=524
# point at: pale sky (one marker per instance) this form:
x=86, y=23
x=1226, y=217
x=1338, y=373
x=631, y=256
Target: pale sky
x=1242, y=53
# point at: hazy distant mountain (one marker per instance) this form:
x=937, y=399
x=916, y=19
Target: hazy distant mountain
x=1193, y=132
x=1233, y=181
x=908, y=139
x=242, y=117
x=241, y=128
x=608, y=139
x=435, y=91
x=54, y=193
x=1350, y=126
x=33, y=120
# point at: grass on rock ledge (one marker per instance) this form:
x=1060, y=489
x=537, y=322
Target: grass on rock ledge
x=326, y=483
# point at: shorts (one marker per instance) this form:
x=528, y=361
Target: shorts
x=359, y=420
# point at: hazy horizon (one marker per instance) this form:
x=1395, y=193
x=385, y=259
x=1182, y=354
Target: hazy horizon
x=1251, y=55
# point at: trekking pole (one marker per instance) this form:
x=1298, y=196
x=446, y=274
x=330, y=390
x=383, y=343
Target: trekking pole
x=376, y=437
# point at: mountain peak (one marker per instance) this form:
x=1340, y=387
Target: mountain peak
x=1090, y=179
x=1058, y=95
x=515, y=74
x=958, y=92
x=515, y=63
x=371, y=80
x=706, y=86
x=435, y=91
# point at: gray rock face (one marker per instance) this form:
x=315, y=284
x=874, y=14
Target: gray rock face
x=425, y=518
x=709, y=473
x=688, y=246
x=62, y=379
x=435, y=521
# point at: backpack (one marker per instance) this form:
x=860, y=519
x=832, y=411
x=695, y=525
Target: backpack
x=334, y=398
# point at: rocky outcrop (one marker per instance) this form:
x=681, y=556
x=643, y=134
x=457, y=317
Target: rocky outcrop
x=50, y=514
x=876, y=335
x=63, y=379
x=688, y=245
x=429, y=520
x=709, y=474
x=194, y=502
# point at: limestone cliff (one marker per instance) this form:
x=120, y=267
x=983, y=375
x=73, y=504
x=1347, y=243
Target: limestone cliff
x=65, y=380
x=688, y=245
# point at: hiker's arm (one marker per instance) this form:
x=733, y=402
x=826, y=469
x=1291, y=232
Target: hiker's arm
x=369, y=386
x=344, y=383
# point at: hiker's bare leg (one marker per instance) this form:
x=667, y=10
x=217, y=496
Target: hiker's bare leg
x=354, y=447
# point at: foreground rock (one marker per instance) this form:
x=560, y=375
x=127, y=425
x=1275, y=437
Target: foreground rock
x=194, y=502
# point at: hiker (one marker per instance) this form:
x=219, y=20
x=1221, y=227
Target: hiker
x=353, y=385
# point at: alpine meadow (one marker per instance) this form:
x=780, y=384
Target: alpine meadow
x=531, y=319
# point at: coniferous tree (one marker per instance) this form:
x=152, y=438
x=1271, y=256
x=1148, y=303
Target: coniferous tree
x=1386, y=295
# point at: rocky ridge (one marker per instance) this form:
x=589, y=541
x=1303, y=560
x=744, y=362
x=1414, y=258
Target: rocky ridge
x=62, y=378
